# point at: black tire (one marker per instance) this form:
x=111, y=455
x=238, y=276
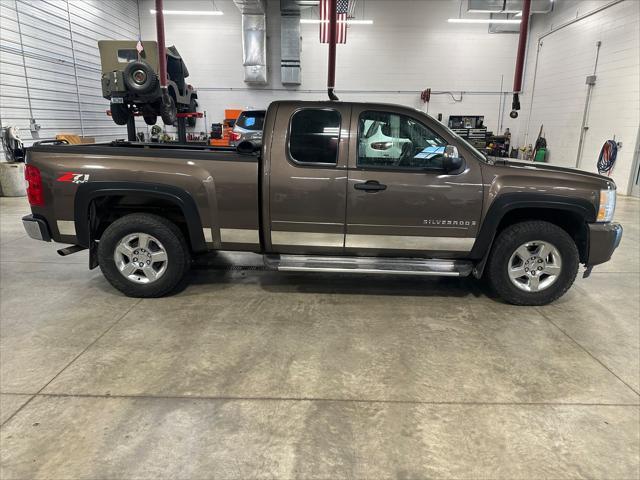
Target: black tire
x=166, y=232
x=150, y=119
x=169, y=112
x=136, y=86
x=514, y=236
x=120, y=113
x=193, y=108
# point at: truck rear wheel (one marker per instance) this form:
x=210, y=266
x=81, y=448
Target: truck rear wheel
x=532, y=263
x=143, y=255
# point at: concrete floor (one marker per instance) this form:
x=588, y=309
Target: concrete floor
x=252, y=374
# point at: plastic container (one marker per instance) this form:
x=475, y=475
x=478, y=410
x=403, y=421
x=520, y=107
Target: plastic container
x=12, y=182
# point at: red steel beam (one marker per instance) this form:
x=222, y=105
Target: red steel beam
x=333, y=24
x=522, y=46
x=162, y=52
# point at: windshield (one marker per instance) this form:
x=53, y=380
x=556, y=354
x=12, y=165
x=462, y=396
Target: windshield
x=251, y=120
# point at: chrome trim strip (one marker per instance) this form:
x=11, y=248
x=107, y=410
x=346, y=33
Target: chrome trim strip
x=208, y=235
x=404, y=242
x=239, y=235
x=66, y=227
x=307, y=239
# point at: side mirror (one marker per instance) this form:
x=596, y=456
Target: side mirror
x=247, y=148
x=452, y=160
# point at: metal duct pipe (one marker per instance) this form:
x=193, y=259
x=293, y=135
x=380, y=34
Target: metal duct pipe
x=254, y=40
x=522, y=46
x=290, y=68
x=331, y=74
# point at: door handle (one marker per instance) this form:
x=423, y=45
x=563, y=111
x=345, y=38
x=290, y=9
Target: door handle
x=370, y=186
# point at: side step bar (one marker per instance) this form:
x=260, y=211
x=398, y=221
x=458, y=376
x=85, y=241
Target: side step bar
x=371, y=265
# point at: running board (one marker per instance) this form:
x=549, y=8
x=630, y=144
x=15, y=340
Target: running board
x=382, y=265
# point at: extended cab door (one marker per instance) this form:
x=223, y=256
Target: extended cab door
x=307, y=177
x=400, y=201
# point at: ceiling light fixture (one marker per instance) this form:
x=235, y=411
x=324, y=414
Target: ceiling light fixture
x=350, y=21
x=188, y=12
x=483, y=20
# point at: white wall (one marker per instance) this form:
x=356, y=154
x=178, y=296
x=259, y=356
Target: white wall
x=50, y=65
x=410, y=47
x=566, y=57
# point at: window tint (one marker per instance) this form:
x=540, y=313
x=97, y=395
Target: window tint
x=388, y=140
x=251, y=120
x=127, y=55
x=314, y=136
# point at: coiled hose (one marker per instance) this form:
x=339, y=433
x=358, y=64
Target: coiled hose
x=607, y=157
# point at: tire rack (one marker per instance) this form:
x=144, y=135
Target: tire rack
x=181, y=125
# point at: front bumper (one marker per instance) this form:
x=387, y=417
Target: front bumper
x=36, y=228
x=604, y=238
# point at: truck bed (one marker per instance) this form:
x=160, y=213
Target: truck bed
x=217, y=186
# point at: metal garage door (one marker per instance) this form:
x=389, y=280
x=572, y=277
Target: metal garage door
x=50, y=66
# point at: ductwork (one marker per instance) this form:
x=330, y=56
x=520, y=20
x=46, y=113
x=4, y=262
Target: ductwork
x=290, y=68
x=254, y=40
x=508, y=6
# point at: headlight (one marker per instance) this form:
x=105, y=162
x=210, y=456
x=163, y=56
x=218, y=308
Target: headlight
x=607, y=205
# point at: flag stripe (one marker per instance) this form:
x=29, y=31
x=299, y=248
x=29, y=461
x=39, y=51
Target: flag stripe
x=341, y=17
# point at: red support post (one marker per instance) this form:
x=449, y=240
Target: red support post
x=522, y=46
x=162, y=52
x=333, y=27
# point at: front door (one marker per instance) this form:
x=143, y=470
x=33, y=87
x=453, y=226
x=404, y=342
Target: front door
x=308, y=179
x=400, y=201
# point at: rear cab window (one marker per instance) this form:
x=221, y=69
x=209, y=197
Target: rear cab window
x=314, y=135
x=127, y=55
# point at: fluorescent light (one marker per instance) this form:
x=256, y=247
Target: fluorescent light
x=317, y=21
x=482, y=20
x=188, y=12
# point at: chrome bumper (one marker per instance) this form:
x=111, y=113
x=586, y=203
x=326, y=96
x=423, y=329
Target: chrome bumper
x=36, y=228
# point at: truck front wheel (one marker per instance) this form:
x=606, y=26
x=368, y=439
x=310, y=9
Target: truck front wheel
x=143, y=255
x=120, y=113
x=532, y=263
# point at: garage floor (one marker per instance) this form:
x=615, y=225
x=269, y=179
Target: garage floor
x=249, y=373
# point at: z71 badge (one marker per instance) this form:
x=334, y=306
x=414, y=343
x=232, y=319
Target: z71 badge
x=74, y=177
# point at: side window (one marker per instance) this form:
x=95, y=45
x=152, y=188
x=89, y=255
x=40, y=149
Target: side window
x=314, y=136
x=389, y=140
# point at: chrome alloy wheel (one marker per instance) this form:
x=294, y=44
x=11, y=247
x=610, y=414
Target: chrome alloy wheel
x=534, y=266
x=141, y=258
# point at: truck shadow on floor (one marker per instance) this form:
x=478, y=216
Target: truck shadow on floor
x=339, y=283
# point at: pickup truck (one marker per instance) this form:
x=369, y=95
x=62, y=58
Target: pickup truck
x=319, y=196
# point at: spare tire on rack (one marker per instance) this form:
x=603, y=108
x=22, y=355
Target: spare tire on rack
x=139, y=77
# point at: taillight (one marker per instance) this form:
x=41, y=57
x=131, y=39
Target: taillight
x=34, y=185
x=234, y=136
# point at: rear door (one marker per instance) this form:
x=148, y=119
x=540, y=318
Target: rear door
x=308, y=178
x=400, y=201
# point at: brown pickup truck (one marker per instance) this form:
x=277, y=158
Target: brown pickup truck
x=335, y=187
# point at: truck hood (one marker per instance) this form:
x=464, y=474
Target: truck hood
x=543, y=167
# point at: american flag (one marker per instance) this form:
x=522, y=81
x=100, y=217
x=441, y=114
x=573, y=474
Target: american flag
x=139, y=46
x=342, y=8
